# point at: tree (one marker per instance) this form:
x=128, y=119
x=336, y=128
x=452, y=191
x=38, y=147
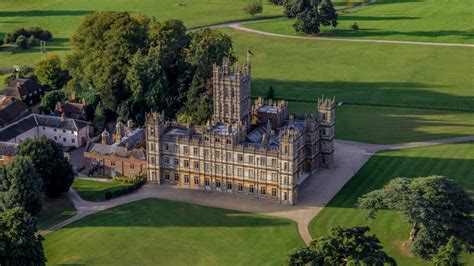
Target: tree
x=449, y=254
x=291, y=8
x=19, y=244
x=270, y=93
x=49, y=161
x=328, y=15
x=99, y=118
x=20, y=185
x=102, y=48
x=345, y=246
x=50, y=99
x=253, y=8
x=435, y=207
x=21, y=42
x=50, y=72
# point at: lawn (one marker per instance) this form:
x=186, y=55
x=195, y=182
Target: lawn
x=390, y=125
x=375, y=74
x=453, y=160
x=156, y=231
x=62, y=17
x=55, y=211
x=409, y=20
x=95, y=190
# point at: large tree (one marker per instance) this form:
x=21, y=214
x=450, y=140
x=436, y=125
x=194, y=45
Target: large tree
x=20, y=185
x=345, y=246
x=19, y=244
x=311, y=14
x=436, y=208
x=103, y=46
x=49, y=161
x=50, y=99
x=50, y=72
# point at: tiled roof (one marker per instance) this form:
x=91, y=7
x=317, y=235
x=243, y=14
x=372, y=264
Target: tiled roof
x=20, y=87
x=7, y=148
x=119, y=151
x=34, y=120
x=12, y=111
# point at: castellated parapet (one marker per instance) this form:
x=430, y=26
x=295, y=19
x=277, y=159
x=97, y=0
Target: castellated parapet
x=260, y=151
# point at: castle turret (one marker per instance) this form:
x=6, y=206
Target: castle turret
x=155, y=124
x=119, y=132
x=326, y=118
x=104, y=137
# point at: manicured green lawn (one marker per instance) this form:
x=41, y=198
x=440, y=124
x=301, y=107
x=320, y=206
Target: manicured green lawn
x=421, y=20
x=389, y=125
x=380, y=74
x=453, y=160
x=62, y=17
x=55, y=211
x=153, y=231
x=95, y=190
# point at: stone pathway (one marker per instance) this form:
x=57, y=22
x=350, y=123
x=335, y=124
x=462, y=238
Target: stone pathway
x=314, y=193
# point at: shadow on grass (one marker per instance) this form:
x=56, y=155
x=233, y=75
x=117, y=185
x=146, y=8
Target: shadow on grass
x=401, y=94
x=164, y=213
x=44, y=13
x=375, y=18
x=379, y=33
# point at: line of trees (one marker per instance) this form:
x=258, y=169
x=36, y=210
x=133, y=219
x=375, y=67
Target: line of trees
x=27, y=37
x=39, y=169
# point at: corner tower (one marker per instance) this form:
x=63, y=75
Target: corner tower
x=231, y=93
x=327, y=118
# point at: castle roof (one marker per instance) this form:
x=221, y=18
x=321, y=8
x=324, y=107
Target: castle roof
x=119, y=151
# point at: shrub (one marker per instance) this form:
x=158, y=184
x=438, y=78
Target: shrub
x=139, y=181
x=254, y=8
x=21, y=42
x=31, y=35
x=355, y=26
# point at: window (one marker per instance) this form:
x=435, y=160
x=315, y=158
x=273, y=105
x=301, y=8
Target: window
x=72, y=132
x=206, y=153
x=152, y=147
x=112, y=163
x=217, y=154
x=274, y=176
x=186, y=163
x=176, y=177
x=64, y=139
x=274, y=192
x=207, y=182
x=228, y=141
x=240, y=158
x=218, y=168
x=55, y=138
x=251, y=159
x=54, y=130
x=285, y=149
x=64, y=131
x=1, y=157
x=218, y=184
x=285, y=180
x=195, y=151
x=274, y=162
x=186, y=179
x=176, y=162
x=262, y=175
x=151, y=131
x=196, y=180
x=263, y=161
x=167, y=176
x=228, y=170
x=207, y=167
x=167, y=160
x=185, y=149
x=285, y=166
x=153, y=161
x=285, y=195
x=240, y=171
x=229, y=156
x=72, y=140
x=251, y=173
x=196, y=165
x=167, y=146
x=263, y=191
x=44, y=128
x=229, y=186
x=251, y=190
x=132, y=166
x=240, y=187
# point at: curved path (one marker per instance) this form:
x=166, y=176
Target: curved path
x=237, y=25
x=314, y=193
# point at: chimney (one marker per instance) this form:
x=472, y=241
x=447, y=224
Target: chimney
x=62, y=116
x=129, y=126
x=73, y=97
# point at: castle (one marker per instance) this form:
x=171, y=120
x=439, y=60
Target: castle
x=258, y=151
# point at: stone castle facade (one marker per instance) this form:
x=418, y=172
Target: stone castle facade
x=258, y=150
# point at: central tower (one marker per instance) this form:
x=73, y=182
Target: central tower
x=231, y=93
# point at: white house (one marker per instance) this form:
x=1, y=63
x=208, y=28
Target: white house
x=65, y=131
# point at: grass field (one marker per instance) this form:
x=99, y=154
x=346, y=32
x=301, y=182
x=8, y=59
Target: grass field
x=380, y=74
x=156, y=231
x=55, y=211
x=408, y=20
x=95, y=190
x=62, y=17
x=453, y=160
x=390, y=125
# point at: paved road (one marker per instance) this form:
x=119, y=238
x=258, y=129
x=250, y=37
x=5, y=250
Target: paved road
x=314, y=193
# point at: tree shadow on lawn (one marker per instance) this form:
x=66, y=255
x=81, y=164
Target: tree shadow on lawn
x=382, y=33
x=44, y=13
x=165, y=213
x=55, y=44
x=401, y=94
x=413, y=167
x=374, y=18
